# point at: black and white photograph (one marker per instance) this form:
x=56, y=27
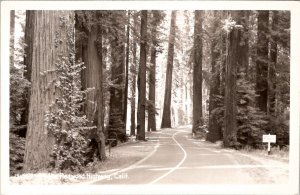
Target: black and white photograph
x=150, y=97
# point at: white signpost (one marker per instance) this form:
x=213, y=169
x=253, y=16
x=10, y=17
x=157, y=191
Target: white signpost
x=269, y=139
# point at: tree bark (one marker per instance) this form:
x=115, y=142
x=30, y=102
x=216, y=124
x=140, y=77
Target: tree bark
x=117, y=102
x=233, y=47
x=272, y=65
x=100, y=102
x=142, y=78
x=213, y=128
x=29, y=32
x=152, y=79
x=262, y=59
x=126, y=71
x=166, y=117
x=79, y=41
x=197, y=72
x=244, y=51
x=92, y=78
x=39, y=143
x=151, y=109
x=224, y=14
x=134, y=73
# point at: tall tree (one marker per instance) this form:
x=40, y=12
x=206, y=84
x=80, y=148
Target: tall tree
x=29, y=31
x=272, y=64
x=134, y=73
x=117, y=40
x=39, y=143
x=244, y=51
x=233, y=46
x=166, y=117
x=142, y=78
x=126, y=69
x=262, y=59
x=156, y=18
x=197, y=72
x=213, y=126
x=92, y=78
x=224, y=14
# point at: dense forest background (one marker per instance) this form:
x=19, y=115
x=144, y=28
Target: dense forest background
x=79, y=78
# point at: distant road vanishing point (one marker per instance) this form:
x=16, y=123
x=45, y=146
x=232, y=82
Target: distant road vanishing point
x=180, y=159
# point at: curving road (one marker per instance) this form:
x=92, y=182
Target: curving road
x=179, y=159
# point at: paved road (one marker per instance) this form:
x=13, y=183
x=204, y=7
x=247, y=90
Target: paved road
x=179, y=159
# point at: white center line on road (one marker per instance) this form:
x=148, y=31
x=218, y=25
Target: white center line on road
x=127, y=168
x=178, y=165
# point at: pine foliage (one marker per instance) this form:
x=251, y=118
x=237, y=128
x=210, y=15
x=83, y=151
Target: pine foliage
x=16, y=153
x=251, y=122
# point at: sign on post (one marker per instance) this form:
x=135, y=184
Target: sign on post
x=269, y=139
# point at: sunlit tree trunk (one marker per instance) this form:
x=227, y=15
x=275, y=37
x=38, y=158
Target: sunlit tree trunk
x=166, y=117
x=39, y=143
x=134, y=73
x=126, y=70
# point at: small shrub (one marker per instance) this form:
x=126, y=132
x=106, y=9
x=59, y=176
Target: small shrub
x=16, y=153
x=251, y=122
x=64, y=118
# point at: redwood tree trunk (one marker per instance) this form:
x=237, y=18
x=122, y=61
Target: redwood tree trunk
x=166, y=117
x=39, y=143
x=100, y=102
x=142, y=79
x=233, y=47
x=29, y=31
x=92, y=75
x=134, y=73
x=262, y=59
x=197, y=72
x=244, y=51
x=116, y=112
x=213, y=127
x=151, y=109
x=223, y=57
x=126, y=71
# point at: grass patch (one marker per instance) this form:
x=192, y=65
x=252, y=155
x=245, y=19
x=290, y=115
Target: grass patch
x=276, y=153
